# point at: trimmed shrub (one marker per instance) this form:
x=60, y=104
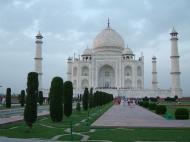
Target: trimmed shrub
x=152, y=106
x=22, y=98
x=168, y=99
x=78, y=108
x=181, y=113
x=145, y=104
x=85, y=99
x=175, y=97
x=140, y=103
x=146, y=99
x=161, y=109
x=40, y=98
x=8, y=98
x=68, y=97
x=30, y=111
x=56, y=99
x=152, y=99
x=91, y=98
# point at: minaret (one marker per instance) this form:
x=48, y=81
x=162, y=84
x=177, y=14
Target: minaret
x=175, y=71
x=154, y=74
x=69, y=69
x=38, y=59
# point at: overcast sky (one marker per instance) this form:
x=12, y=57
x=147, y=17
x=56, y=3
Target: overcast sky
x=68, y=26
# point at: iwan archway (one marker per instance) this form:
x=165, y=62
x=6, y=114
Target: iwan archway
x=106, y=77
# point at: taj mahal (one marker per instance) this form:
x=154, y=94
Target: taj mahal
x=111, y=66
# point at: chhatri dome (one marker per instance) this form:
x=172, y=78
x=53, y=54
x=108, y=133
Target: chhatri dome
x=108, y=38
x=127, y=51
x=87, y=51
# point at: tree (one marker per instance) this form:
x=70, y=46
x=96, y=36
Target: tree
x=85, y=99
x=8, y=98
x=22, y=98
x=80, y=97
x=78, y=108
x=56, y=99
x=40, y=98
x=68, y=98
x=91, y=98
x=30, y=111
x=175, y=97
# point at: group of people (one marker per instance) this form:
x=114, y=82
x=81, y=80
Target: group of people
x=125, y=101
x=106, y=88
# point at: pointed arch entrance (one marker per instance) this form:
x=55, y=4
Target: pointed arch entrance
x=106, y=77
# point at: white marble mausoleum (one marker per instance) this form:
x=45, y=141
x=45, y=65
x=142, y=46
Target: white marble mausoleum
x=111, y=66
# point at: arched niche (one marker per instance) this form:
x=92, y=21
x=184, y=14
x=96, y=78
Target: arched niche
x=85, y=71
x=75, y=71
x=106, y=77
x=128, y=71
x=139, y=71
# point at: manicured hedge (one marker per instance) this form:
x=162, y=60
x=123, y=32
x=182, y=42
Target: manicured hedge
x=140, y=103
x=182, y=113
x=161, y=109
x=145, y=104
x=152, y=106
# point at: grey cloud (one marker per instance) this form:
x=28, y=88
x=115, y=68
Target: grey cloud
x=68, y=26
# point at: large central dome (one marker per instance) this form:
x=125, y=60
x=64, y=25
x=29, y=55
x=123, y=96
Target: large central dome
x=108, y=38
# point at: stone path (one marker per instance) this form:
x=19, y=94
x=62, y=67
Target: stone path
x=18, y=118
x=136, y=116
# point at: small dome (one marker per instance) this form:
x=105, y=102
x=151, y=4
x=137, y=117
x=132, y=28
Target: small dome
x=70, y=58
x=87, y=51
x=127, y=51
x=108, y=38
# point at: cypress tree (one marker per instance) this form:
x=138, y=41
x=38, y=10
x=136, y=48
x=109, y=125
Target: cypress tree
x=78, y=108
x=95, y=100
x=80, y=97
x=85, y=99
x=91, y=99
x=40, y=98
x=22, y=98
x=68, y=98
x=56, y=99
x=30, y=111
x=8, y=98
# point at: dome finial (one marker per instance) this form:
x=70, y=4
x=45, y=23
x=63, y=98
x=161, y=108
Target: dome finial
x=173, y=30
x=108, y=22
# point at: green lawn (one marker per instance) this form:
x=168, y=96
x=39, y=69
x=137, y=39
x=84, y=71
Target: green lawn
x=141, y=134
x=171, y=107
x=44, y=128
x=41, y=131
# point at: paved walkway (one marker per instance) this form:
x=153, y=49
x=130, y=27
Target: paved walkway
x=17, y=118
x=136, y=116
